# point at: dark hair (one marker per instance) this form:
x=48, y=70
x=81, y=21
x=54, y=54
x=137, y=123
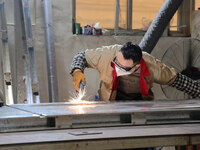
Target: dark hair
x=131, y=51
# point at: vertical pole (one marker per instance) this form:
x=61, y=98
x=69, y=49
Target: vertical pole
x=30, y=47
x=116, y=16
x=129, y=14
x=6, y=56
x=73, y=15
x=184, y=17
x=50, y=51
x=26, y=57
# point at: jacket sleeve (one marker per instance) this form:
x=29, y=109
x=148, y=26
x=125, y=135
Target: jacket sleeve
x=100, y=58
x=162, y=74
x=79, y=62
x=187, y=85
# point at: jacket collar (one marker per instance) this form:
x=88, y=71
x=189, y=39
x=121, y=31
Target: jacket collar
x=143, y=73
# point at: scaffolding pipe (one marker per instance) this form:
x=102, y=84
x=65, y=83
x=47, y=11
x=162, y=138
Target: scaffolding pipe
x=117, y=4
x=26, y=57
x=50, y=51
x=159, y=24
x=129, y=14
x=6, y=70
x=30, y=46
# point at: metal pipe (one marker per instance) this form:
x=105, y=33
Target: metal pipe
x=159, y=24
x=29, y=39
x=6, y=69
x=116, y=16
x=28, y=81
x=50, y=51
x=129, y=14
x=73, y=15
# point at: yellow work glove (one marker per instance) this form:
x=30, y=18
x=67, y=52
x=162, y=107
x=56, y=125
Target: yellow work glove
x=78, y=76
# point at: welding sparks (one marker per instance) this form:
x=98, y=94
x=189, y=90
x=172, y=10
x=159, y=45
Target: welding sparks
x=78, y=97
x=82, y=106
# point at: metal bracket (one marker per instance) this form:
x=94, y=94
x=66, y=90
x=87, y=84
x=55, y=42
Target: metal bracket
x=138, y=118
x=63, y=122
x=1, y=104
x=29, y=42
x=7, y=78
x=85, y=133
x=35, y=89
x=3, y=34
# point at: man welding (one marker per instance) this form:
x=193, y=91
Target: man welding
x=127, y=73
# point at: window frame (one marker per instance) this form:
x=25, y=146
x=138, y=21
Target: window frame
x=183, y=20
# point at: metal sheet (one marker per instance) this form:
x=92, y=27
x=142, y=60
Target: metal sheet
x=7, y=112
x=109, y=108
x=101, y=114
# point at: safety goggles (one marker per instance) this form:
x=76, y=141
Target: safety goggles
x=121, y=67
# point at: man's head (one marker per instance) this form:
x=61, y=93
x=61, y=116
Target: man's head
x=128, y=58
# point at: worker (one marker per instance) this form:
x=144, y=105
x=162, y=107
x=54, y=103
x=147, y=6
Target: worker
x=128, y=73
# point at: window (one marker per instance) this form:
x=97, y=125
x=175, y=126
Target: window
x=197, y=5
x=144, y=11
x=102, y=11
x=134, y=15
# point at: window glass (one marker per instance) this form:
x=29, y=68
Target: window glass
x=197, y=4
x=93, y=11
x=144, y=11
x=173, y=23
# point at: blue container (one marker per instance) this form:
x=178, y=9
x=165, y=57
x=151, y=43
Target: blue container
x=87, y=30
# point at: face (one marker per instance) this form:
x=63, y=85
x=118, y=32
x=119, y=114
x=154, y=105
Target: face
x=126, y=64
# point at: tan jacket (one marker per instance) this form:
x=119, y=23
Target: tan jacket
x=101, y=58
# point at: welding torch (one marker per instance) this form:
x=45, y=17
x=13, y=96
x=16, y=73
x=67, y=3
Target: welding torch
x=82, y=87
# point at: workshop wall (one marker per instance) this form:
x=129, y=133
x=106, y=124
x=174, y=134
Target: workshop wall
x=196, y=24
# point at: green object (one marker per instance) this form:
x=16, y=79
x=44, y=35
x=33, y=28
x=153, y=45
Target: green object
x=73, y=26
x=77, y=28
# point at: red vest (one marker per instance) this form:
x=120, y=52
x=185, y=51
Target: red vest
x=143, y=73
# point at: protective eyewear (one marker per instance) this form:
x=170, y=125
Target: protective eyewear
x=123, y=68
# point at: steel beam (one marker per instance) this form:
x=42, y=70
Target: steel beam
x=94, y=114
x=50, y=51
x=27, y=65
x=5, y=56
x=129, y=14
x=30, y=47
x=117, y=5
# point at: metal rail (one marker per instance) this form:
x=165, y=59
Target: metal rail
x=30, y=52
x=92, y=114
x=8, y=94
x=50, y=51
x=145, y=129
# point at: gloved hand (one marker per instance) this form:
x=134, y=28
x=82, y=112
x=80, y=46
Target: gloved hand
x=78, y=76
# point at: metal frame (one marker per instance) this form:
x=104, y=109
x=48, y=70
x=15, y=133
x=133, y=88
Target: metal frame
x=50, y=51
x=20, y=117
x=103, y=138
x=33, y=90
x=8, y=94
x=40, y=121
x=117, y=5
x=129, y=14
x=30, y=47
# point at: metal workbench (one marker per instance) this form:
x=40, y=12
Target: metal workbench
x=92, y=125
